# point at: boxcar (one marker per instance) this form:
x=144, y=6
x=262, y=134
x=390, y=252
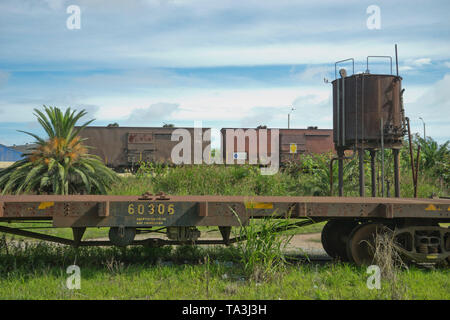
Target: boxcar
x=292, y=143
x=121, y=147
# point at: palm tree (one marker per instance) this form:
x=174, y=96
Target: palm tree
x=432, y=153
x=59, y=164
x=436, y=158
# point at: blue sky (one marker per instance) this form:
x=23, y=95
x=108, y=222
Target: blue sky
x=225, y=63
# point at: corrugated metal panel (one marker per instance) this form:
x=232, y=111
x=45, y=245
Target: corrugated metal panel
x=8, y=154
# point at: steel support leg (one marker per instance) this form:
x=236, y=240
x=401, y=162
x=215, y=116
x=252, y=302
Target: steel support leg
x=361, y=173
x=373, y=176
x=341, y=172
x=396, y=172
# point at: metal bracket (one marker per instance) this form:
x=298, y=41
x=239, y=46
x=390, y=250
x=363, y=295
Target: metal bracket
x=103, y=209
x=203, y=209
x=146, y=196
x=78, y=235
x=302, y=210
x=161, y=196
x=387, y=210
x=338, y=62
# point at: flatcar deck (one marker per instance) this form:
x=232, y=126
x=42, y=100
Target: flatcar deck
x=164, y=210
x=349, y=234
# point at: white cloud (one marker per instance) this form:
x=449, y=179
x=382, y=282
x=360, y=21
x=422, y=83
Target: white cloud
x=55, y=4
x=312, y=73
x=421, y=62
x=268, y=116
x=405, y=68
x=221, y=105
x=89, y=108
x=414, y=64
x=434, y=107
x=155, y=112
x=280, y=53
x=124, y=34
x=114, y=63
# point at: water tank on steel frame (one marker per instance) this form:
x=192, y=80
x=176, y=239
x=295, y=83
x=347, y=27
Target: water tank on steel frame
x=366, y=109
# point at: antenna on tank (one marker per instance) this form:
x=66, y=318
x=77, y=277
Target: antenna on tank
x=396, y=58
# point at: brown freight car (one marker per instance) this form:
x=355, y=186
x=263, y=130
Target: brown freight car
x=292, y=143
x=122, y=147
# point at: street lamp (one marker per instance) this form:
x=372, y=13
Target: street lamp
x=289, y=117
x=424, y=136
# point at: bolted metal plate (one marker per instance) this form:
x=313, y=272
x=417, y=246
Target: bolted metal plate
x=156, y=213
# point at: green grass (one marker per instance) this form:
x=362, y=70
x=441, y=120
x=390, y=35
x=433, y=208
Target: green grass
x=91, y=233
x=166, y=273
x=310, y=178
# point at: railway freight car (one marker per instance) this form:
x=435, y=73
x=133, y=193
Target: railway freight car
x=292, y=143
x=124, y=147
x=349, y=235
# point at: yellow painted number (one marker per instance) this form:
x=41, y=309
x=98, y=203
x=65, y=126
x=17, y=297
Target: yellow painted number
x=161, y=209
x=130, y=208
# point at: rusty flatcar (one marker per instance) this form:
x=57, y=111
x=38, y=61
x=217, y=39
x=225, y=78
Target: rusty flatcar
x=352, y=222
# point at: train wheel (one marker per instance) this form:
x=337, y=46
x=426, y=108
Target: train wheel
x=334, y=238
x=361, y=243
x=122, y=236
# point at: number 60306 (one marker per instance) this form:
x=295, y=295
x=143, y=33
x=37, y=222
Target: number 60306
x=151, y=208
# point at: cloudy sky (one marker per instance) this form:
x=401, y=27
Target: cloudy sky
x=225, y=63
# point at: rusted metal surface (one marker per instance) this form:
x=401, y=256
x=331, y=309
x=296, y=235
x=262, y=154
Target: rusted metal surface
x=422, y=243
x=140, y=137
x=125, y=146
x=335, y=235
x=396, y=154
x=132, y=211
x=293, y=143
x=360, y=101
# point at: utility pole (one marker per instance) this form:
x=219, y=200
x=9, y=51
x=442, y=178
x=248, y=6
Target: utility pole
x=424, y=135
x=289, y=117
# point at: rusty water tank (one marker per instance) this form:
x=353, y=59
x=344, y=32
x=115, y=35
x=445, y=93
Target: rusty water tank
x=367, y=108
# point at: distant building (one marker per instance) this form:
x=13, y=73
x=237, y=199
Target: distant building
x=8, y=154
x=24, y=148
